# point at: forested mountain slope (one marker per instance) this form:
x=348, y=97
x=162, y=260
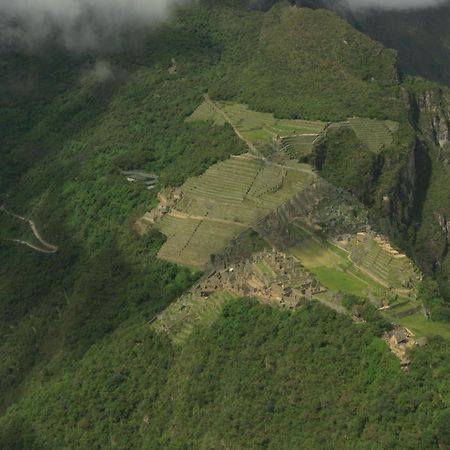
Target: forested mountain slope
x=83, y=369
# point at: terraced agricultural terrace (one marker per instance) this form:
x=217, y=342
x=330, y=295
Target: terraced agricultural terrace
x=375, y=256
x=236, y=194
x=296, y=147
x=258, y=128
x=331, y=264
x=376, y=134
x=180, y=318
x=226, y=200
x=365, y=257
x=367, y=266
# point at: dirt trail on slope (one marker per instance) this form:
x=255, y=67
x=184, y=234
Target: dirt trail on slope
x=229, y=121
x=29, y=244
x=50, y=247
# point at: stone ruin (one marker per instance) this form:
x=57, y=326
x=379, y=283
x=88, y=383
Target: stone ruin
x=270, y=276
x=167, y=200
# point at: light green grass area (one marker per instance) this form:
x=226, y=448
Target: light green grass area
x=376, y=134
x=295, y=137
x=336, y=272
x=205, y=112
x=189, y=311
x=256, y=127
x=227, y=199
x=422, y=326
x=337, y=279
x=257, y=135
x=331, y=265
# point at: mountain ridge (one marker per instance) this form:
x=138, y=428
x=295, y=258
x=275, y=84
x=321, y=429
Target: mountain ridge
x=84, y=368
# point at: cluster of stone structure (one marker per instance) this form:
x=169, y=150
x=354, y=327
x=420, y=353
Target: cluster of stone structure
x=167, y=200
x=270, y=276
x=400, y=341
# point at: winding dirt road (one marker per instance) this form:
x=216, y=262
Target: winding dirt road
x=50, y=248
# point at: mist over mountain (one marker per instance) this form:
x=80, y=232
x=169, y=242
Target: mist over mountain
x=418, y=30
x=421, y=37
x=77, y=24
x=393, y=4
x=364, y=5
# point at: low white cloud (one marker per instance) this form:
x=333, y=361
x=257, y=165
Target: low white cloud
x=393, y=4
x=78, y=24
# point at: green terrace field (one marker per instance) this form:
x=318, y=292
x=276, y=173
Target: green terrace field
x=189, y=311
x=297, y=146
x=331, y=264
x=250, y=122
x=383, y=263
x=365, y=261
x=191, y=242
x=294, y=137
x=422, y=326
x=376, y=134
x=227, y=199
x=256, y=127
x=206, y=112
x=339, y=272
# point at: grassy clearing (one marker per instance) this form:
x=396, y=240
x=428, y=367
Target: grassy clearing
x=422, y=326
x=332, y=266
x=205, y=112
x=337, y=279
x=257, y=135
x=256, y=127
x=336, y=272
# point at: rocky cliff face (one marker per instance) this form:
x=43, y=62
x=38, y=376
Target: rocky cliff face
x=403, y=198
x=429, y=230
x=434, y=108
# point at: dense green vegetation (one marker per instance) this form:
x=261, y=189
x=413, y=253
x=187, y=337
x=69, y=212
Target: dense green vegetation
x=81, y=367
x=257, y=378
x=345, y=161
x=338, y=74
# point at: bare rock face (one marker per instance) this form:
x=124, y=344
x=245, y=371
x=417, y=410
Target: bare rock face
x=444, y=223
x=401, y=201
x=435, y=103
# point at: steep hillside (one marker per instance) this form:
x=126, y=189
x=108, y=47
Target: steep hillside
x=296, y=70
x=258, y=378
x=83, y=369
